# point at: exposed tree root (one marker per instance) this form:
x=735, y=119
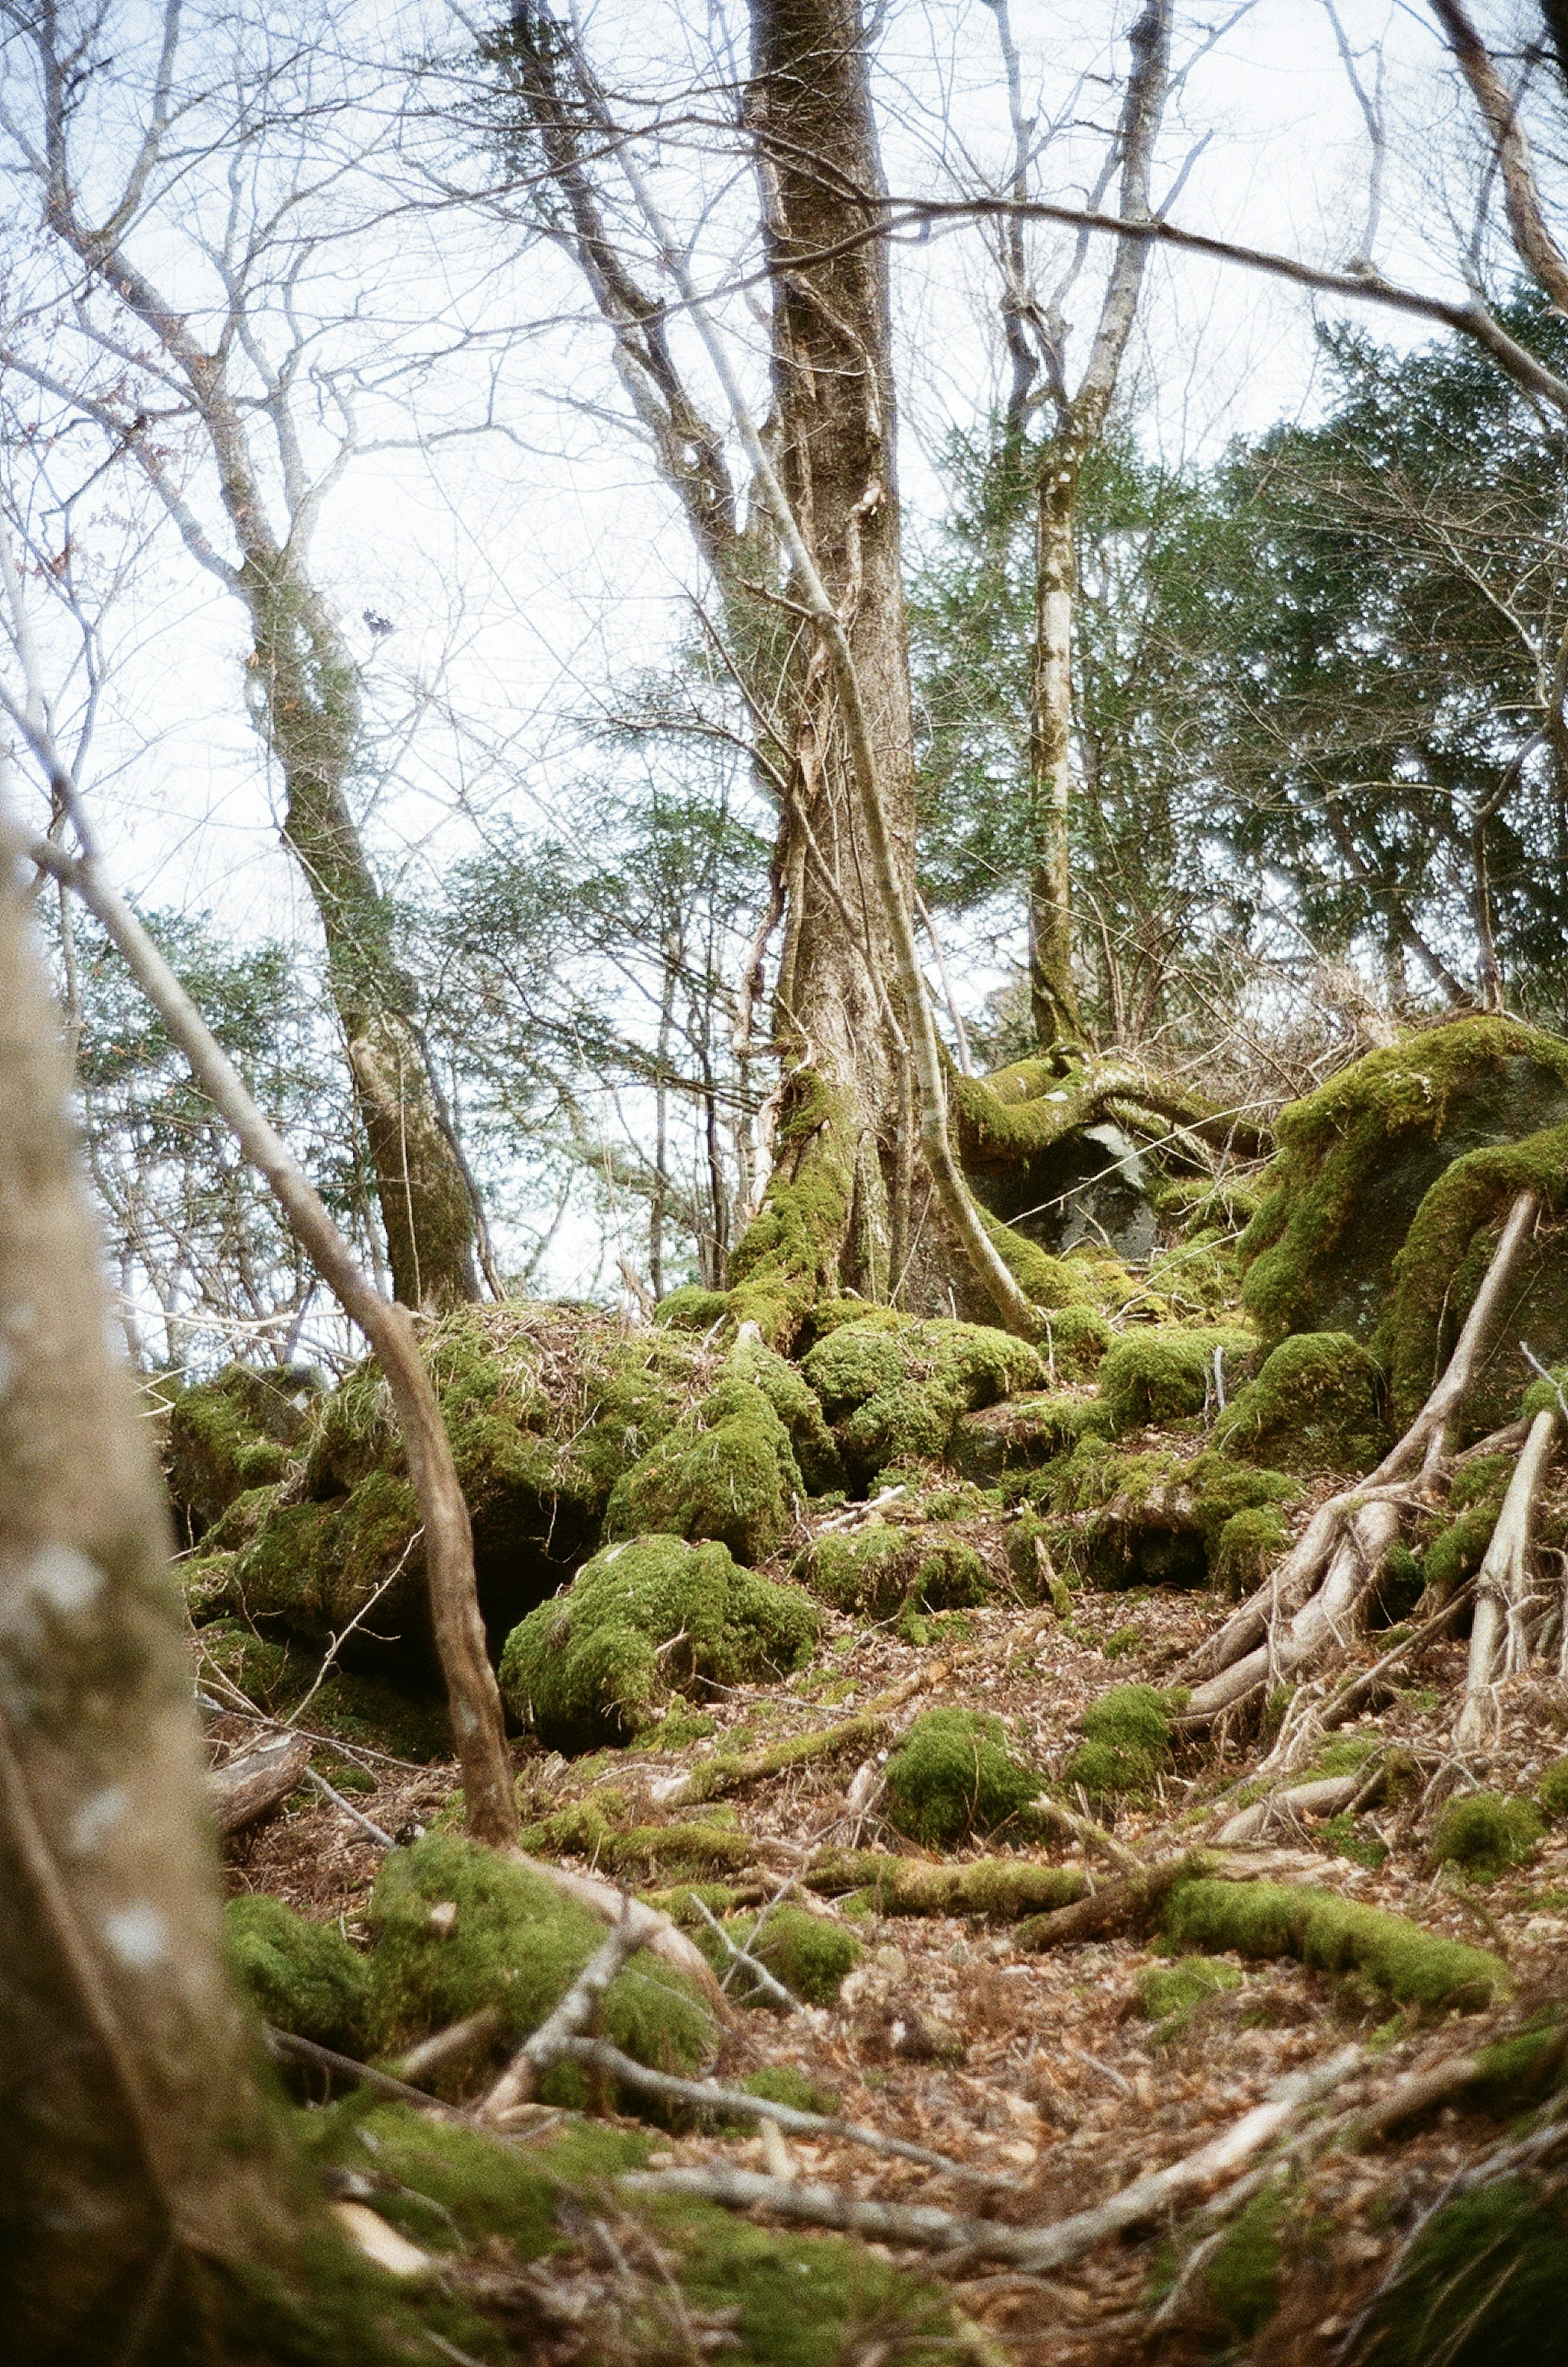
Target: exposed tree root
x=1510, y=1617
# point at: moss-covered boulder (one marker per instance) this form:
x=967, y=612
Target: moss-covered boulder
x=642, y=1620
x=1155, y=1377
x=1316, y=1405
x=726, y=1471
x=810, y=1955
x=954, y=1775
x=875, y=1572
x=1127, y=1736
x=300, y=1977
x=232, y=1433
x=894, y=1390
x=1152, y=1519
x=1358, y=1158
x=1485, y=1834
x=458, y=1927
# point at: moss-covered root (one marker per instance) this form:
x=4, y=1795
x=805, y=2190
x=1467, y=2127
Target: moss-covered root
x=711, y=1779
x=1389, y=1953
x=1484, y=2283
x=1129, y=1908
x=999, y=1888
x=596, y=1665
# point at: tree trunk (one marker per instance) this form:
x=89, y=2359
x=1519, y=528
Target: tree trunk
x=1052, y=1001
x=146, y=2187
x=840, y=1178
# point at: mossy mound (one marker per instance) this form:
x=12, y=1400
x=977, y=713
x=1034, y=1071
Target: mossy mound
x=880, y=1570
x=1552, y=1792
x=1389, y=1953
x=726, y=1471
x=781, y=2083
x=1170, y=1993
x=1241, y=2276
x=1153, y=1377
x=1485, y=2283
x=232, y=1433
x=1021, y=1435
x=1316, y=1405
x=1484, y=1835
x=460, y=1927
x=314, y=1566
x=300, y=1977
x=1126, y=1741
x=1358, y=1158
x=954, y=1775
x=1154, y=1519
x=640, y=1621
x=894, y=1391
x=1249, y=1546
x=810, y=1955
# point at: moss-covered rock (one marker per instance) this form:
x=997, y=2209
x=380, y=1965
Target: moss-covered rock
x=1249, y=1546
x=314, y=1566
x=1155, y=1518
x=1316, y=1405
x=460, y=1927
x=354, y=1706
x=1552, y=1792
x=1021, y=1435
x=1358, y=1158
x=233, y=1434
x=809, y=1954
x=641, y=1620
x=1484, y=1835
x=1127, y=1736
x=726, y=1471
x=1389, y=1953
x=954, y=1775
x=1161, y=1374
x=894, y=1392
x=300, y=1977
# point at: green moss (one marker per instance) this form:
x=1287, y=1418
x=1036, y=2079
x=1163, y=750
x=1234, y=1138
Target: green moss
x=640, y=1620
x=353, y=1707
x=954, y=1775
x=798, y=2301
x=1022, y=1433
x=232, y=1433
x=797, y=1405
x=788, y=1256
x=300, y=1977
x=316, y=1565
x=781, y=2083
x=1546, y=1395
x=726, y=1471
x=517, y=1943
x=1357, y=1157
x=1248, y=1548
x=998, y=1888
x=866, y=1573
x=692, y=1308
x=1552, y=1792
x=1347, y=1836
x=1485, y=2283
x=1456, y=1553
x=1075, y=1342
x=1314, y=1406
x=1241, y=2276
x=1126, y=1741
x=895, y=1394
x=678, y=1852
x=1159, y=1376
x=1333, y=1935
x=1169, y=1993
x=808, y=1954
x=1484, y=1481
x=1484, y=1835
x=1523, y=2069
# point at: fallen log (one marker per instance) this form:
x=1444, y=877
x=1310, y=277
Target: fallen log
x=246, y=1789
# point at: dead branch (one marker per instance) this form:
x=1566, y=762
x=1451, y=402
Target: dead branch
x=576, y=2011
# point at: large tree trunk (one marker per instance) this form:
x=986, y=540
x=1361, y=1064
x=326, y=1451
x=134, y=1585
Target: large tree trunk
x=145, y=2181
x=842, y=1182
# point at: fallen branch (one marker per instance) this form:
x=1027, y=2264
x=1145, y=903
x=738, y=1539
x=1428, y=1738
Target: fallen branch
x=766, y=1981
x=576, y=2011
x=248, y=1788
x=289, y=2047
x=450, y=2045
x=1033, y=2249
x=602, y=1898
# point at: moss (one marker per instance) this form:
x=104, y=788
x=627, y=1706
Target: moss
x=726, y=1471
x=788, y=1256
x=897, y=1393
x=954, y=1775
x=951, y=1576
x=781, y=2083
x=1523, y=2069
x=692, y=1308
x=1345, y=1835
x=1021, y=1433
x=517, y=1943
x=1484, y=1835
x=1333, y=1935
x=1546, y=1395
x=301, y=1976
x=316, y=1565
x=679, y=1852
x=1156, y=1377
x=1126, y=1741
x=797, y=1405
x=1456, y=1553
x=797, y=2300
x=354, y=1707
x=642, y=1618
x=1552, y=1792
x=1075, y=1342
x=866, y=1574
x=1241, y=2278
x=1169, y=1993
x=811, y=1955
x=1357, y=1157
x=998, y=1888
x=231, y=1433
x=1314, y=1406
x=1249, y=1546
x=1483, y=2284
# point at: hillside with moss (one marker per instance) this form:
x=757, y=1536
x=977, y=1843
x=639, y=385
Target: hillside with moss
x=906, y=1669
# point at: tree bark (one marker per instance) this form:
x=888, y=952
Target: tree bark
x=145, y=2183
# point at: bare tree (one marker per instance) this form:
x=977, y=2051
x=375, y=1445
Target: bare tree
x=156, y=332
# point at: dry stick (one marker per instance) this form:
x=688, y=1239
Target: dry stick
x=243, y=1790
x=1351, y=1533
x=925, y=1049
x=706, y=2095
x=577, y=2009
x=473, y=1699
x=1496, y=1644
x=288, y=2044
x=765, y=1980
x=1031, y=2248
x=447, y=2045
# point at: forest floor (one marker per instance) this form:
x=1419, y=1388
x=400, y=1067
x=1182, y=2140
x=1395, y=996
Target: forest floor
x=1038, y=2072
